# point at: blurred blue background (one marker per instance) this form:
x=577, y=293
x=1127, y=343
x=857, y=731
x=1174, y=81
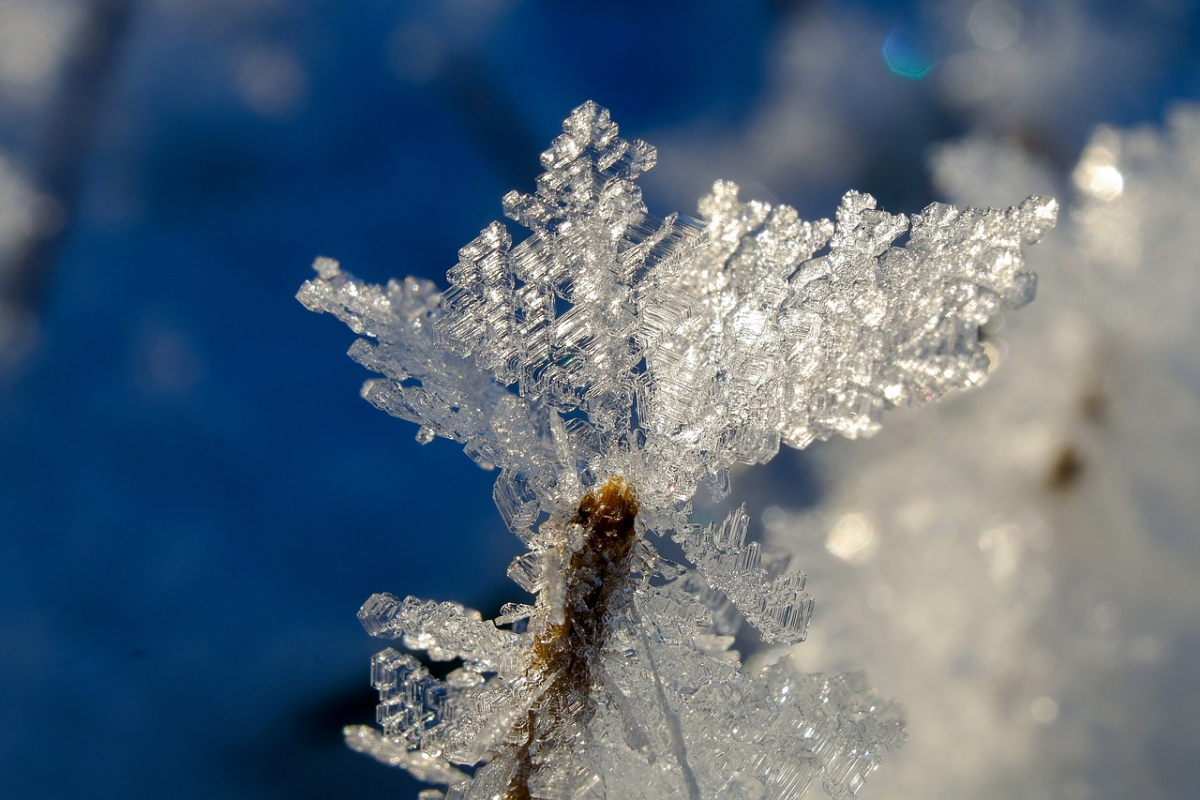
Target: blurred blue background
x=194, y=501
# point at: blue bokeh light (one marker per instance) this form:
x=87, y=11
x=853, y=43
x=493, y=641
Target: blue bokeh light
x=909, y=52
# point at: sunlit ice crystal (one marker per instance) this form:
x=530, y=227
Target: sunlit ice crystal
x=607, y=365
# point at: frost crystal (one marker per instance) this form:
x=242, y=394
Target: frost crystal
x=607, y=365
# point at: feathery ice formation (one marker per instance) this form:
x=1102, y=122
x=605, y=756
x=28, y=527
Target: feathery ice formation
x=607, y=365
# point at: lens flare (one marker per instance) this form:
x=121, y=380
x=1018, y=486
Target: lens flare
x=909, y=52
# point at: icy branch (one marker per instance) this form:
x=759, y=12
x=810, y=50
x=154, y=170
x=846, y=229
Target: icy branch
x=607, y=365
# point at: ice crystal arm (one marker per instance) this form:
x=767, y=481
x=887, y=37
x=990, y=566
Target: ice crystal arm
x=447, y=395
x=764, y=341
x=446, y=631
x=608, y=364
x=771, y=600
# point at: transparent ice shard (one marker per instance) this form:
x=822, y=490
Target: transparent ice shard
x=444, y=630
x=772, y=601
x=607, y=365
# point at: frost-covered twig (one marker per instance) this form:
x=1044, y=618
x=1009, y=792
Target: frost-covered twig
x=607, y=365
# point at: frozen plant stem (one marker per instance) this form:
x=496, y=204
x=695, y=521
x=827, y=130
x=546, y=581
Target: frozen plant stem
x=564, y=655
x=607, y=365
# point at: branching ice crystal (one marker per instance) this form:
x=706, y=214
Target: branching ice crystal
x=607, y=365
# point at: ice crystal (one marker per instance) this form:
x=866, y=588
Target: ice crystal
x=607, y=365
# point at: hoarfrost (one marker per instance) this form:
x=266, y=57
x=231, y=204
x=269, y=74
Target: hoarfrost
x=607, y=365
